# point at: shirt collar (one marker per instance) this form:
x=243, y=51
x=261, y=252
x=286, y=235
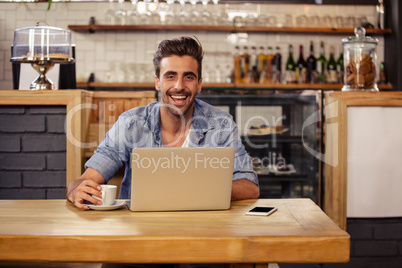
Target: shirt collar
x=153, y=122
x=202, y=121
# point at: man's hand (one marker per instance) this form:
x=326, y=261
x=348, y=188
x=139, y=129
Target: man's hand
x=244, y=189
x=82, y=189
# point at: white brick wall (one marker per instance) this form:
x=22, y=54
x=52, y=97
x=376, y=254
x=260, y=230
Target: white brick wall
x=96, y=53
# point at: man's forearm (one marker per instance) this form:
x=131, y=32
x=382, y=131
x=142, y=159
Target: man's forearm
x=244, y=189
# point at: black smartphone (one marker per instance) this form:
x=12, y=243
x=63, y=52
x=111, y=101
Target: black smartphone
x=261, y=211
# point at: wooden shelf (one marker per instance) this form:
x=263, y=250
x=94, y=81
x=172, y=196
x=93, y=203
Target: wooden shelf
x=94, y=27
x=118, y=85
x=300, y=86
x=144, y=85
x=237, y=86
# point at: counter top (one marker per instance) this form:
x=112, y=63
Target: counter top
x=55, y=230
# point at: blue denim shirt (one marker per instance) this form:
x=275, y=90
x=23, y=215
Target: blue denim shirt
x=140, y=127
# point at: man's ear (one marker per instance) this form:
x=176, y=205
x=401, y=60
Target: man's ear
x=199, y=86
x=157, y=83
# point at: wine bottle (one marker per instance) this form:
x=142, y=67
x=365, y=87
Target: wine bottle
x=382, y=75
x=253, y=57
x=237, y=65
x=245, y=64
x=290, y=75
x=277, y=66
x=268, y=65
x=312, y=66
x=340, y=66
x=253, y=76
x=261, y=58
x=331, y=67
x=301, y=67
x=322, y=61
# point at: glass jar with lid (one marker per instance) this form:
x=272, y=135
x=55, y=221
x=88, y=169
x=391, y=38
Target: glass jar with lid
x=360, y=62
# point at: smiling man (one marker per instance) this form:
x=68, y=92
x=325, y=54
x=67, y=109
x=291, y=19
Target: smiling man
x=178, y=84
x=178, y=120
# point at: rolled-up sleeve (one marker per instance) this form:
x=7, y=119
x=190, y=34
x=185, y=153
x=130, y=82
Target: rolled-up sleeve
x=113, y=152
x=243, y=166
x=103, y=164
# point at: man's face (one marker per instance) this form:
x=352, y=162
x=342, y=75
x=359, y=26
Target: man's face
x=178, y=84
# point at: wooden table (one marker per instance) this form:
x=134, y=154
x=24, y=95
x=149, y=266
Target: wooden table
x=56, y=231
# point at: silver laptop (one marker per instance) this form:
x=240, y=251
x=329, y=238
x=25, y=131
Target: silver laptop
x=176, y=179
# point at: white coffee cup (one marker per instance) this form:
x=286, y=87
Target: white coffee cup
x=108, y=194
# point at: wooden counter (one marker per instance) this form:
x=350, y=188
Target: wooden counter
x=83, y=108
x=56, y=231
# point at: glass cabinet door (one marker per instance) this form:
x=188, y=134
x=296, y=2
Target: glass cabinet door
x=281, y=131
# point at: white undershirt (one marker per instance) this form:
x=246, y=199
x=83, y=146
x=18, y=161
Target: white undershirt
x=186, y=142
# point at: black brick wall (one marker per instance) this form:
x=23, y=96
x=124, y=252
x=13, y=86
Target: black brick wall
x=375, y=243
x=32, y=152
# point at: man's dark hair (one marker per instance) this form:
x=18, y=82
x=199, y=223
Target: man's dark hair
x=183, y=46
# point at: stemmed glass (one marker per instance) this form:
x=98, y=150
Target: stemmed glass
x=176, y=7
x=183, y=13
x=205, y=14
x=140, y=72
x=220, y=17
x=153, y=14
x=165, y=12
x=121, y=14
x=220, y=67
x=208, y=72
x=110, y=14
x=146, y=15
x=194, y=15
x=131, y=73
x=132, y=14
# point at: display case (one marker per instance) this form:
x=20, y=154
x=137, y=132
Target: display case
x=42, y=47
x=281, y=130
